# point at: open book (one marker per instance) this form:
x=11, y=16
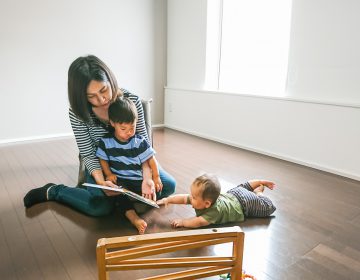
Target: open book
x=126, y=192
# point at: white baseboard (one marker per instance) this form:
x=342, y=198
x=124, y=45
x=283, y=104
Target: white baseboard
x=24, y=140
x=160, y=125
x=282, y=157
x=40, y=138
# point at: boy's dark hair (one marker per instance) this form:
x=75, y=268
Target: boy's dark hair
x=210, y=185
x=81, y=72
x=123, y=110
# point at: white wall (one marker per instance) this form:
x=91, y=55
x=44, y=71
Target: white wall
x=39, y=40
x=186, y=42
x=323, y=133
x=324, y=56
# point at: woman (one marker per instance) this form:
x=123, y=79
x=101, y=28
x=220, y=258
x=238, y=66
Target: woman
x=92, y=87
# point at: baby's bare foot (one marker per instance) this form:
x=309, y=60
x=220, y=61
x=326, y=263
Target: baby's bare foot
x=259, y=190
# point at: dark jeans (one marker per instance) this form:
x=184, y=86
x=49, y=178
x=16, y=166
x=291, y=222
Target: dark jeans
x=94, y=202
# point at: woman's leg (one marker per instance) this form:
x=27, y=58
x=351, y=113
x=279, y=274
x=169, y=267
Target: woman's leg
x=169, y=184
x=90, y=201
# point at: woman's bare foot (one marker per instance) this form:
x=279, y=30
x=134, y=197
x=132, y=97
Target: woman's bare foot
x=139, y=223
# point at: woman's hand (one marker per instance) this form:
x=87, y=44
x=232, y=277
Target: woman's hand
x=148, y=189
x=111, y=185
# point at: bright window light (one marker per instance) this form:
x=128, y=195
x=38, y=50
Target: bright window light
x=254, y=46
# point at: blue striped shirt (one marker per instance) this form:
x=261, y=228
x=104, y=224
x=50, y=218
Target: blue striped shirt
x=125, y=158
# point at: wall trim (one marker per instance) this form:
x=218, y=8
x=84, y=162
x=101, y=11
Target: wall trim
x=24, y=140
x=159, y=125
x=284, y=98
x=259, y=151
x=40, y=138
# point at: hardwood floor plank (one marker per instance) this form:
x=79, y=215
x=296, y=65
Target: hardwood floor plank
x=50, y=264
x=333, y=263
x=338, y=257
x=70, y=258
x=21, y=253
x=7, y=268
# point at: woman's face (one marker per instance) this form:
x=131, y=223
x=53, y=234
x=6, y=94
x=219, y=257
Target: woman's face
x=99, y=94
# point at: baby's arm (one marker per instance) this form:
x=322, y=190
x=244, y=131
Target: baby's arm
x=190, y=223
x=155, y=173
x=174, y=199
x=109, y=176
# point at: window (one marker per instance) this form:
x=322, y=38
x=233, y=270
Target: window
x=253, y=42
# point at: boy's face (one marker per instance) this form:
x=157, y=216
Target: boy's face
x=124, y=131
x=196, y=198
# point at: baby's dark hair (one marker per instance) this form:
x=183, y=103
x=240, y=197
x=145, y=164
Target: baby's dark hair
x=210, y=185
x=123, y=110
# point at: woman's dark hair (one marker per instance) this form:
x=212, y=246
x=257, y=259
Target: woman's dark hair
x=81, y=72
x=123, y=110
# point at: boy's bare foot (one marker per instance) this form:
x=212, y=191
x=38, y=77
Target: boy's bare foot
x=139, y=223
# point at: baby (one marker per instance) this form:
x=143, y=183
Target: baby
x=212, y=207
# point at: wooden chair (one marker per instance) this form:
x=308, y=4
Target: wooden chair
x=128, y=252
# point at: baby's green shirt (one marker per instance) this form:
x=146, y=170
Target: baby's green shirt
x=225, y=209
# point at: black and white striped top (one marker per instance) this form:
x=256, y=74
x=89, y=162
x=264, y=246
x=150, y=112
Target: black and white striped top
x=87, y=135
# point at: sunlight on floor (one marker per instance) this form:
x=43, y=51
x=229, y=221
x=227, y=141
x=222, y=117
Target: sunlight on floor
x=225, y=185
x=256, y=250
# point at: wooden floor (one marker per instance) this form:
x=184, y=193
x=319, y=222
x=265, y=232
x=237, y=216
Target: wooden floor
x=314, y=233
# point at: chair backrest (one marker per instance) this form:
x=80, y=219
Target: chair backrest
x=146, y=103
x=132, y=253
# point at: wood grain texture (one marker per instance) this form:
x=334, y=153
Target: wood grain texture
x=314, y=233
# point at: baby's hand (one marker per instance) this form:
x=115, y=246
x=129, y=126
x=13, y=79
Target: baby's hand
x=112, y=178
x=163, y=201
x=177, y=223
x=148, y=189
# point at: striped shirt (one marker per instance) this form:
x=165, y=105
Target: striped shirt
x=87, y=135
x=125, y=158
